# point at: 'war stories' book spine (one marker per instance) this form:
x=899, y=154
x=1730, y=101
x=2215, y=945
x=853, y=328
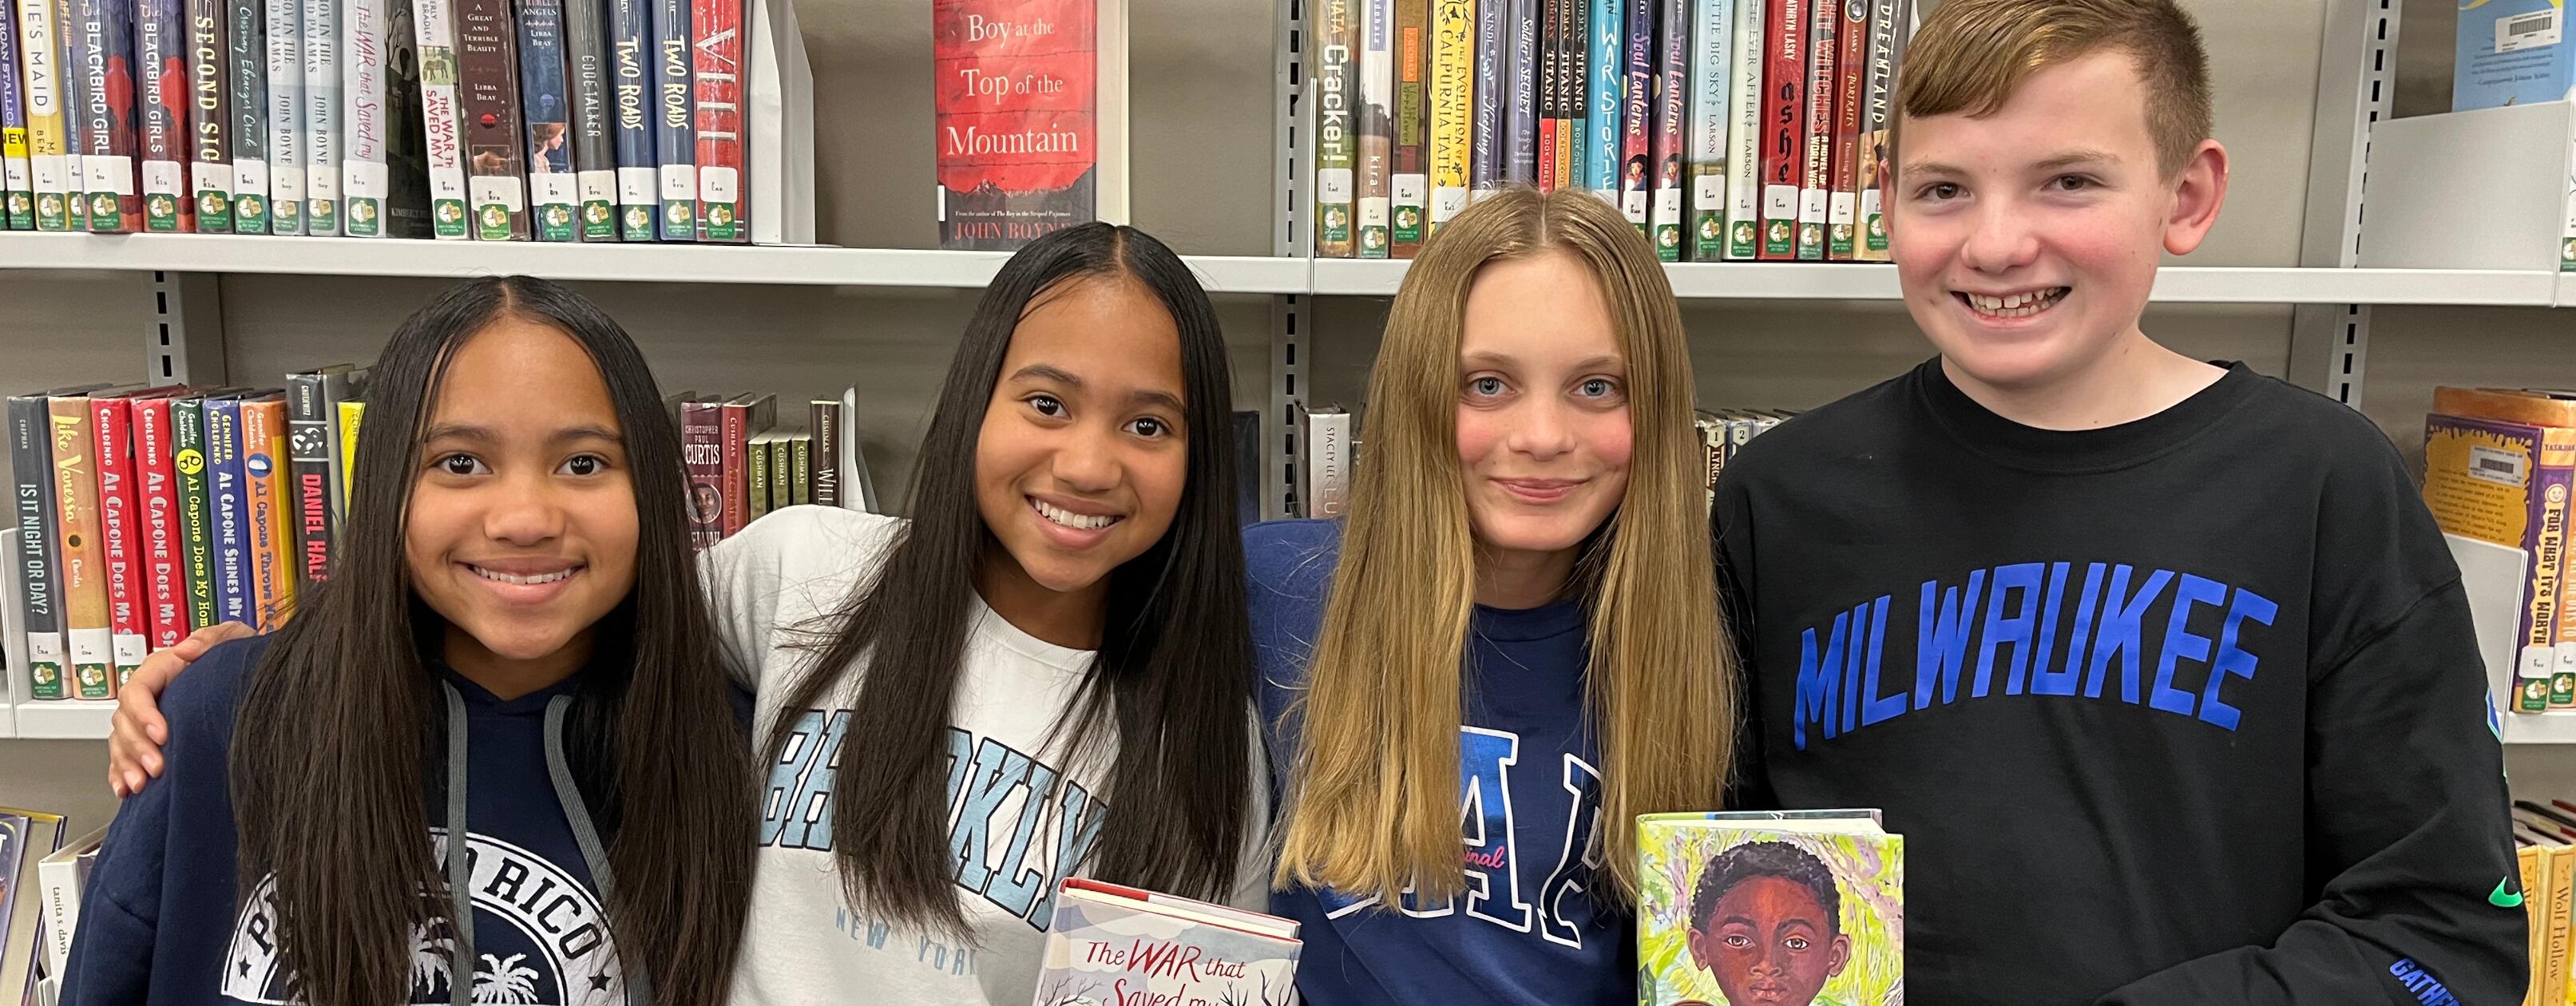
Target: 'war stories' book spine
x=120, y=532
x=324, y=135
x=228, y=498
x=165, y=576
x=161, y=72
x=1672, y=76
x=675, y=140
x=32, y=509
x=246, y=105
x=1784, y=125
x=266, y=487
x=442, y=122
x=1637, y=114
x=823, y=416
x=1744, y=135
x=487, y=57
x=554, y=192
x=717, y=27
x=286, y=126
x=1336, y=134
x=1489, y=158
x=594, y=143
x=17, y=177
x=1519, y=146
x=209, y=150
x=1453, y=85
x=1877, y=93
x=1410, y=200
x=81, y=563
x=364, y=117
x=1606, y=97
x=1376, y=127
x=702, y=444
x=1712, y=74
x=196, y=508
x=108, y=123
x=631, y=69
x=40, y=54
x=1851, y=78
x=310, y=478
x=1816, y=188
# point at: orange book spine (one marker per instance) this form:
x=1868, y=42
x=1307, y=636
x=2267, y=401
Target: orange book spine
x=82, y=573
x=271, y=552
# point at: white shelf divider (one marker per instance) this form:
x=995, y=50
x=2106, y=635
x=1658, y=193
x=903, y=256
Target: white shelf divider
x=70, y=719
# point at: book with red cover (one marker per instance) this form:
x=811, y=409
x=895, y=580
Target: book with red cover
x=718, y=78
x=1815, y=193
x=120, y=535
x=165, y=575
x=745, y=417
x=702, y=448
x=105, y=33
x=1016, y=87
x=161, y=73
x=1784, y=125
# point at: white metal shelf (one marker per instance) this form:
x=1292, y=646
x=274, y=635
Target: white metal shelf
x=2540, y=728
x=70, y=719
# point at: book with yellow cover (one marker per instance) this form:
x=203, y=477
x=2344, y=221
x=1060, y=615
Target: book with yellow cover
x=1453, y=87
x=272, y=558
x=351, y=412
x=2508, y=484
x=81, y=570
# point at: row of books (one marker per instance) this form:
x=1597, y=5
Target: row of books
x=2544, y=838
x=743, y=464
x=36, y=864
x=2499, y=466
x=561, y=120
x=1726, y=129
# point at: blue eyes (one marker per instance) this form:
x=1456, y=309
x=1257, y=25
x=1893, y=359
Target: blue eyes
x=1598, y=388
x=1487, y=386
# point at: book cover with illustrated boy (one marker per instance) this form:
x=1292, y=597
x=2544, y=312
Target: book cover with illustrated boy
x=1788, y=908
x=1119, y=945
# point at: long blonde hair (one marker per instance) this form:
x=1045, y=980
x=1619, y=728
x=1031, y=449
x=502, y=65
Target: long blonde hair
x=1374, y=800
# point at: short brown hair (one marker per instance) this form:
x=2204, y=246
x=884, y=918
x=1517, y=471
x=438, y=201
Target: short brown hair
x=1971, y=55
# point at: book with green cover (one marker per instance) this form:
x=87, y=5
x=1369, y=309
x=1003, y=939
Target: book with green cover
x=196, y=511
x=1782, y=908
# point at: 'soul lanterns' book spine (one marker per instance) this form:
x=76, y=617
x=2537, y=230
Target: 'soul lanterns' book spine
x=1016, y=86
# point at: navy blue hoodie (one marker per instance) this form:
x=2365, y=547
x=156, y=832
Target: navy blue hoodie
x=163, y=923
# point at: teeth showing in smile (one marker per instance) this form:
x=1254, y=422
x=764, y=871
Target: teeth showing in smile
x=1068, y=518
x=2016, y=305
x=497, y=576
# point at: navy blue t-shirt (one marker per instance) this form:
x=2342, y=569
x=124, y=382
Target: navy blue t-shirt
x=162, y=924
x=1528, y=931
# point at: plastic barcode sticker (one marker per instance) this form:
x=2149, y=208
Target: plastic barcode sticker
x=2490, y=464
x=1708, y=191
x=2538, y=29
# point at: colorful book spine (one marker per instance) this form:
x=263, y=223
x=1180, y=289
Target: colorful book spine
x=75, y=99
x=1784, y=125
x=1881, y=88
x=735, y=466
x=1489, y=156
x=1672, y=77
x=1520, y=92
x=554, y=192
x=1712, y=74
x=433, y=24
x=32, y=507
x=1336, y=134
x=266, y=488
x=324, y=134
x=246, y=94
x=823, y=416
x=165, y=577
x=1453, y=86
x=161, y=71
x=228, y=498
x=1410, y=199
x=210, y=167
x=1816, y=188
x=364, y=117
x=1574, y=69
x=632, y=66
x=1637, y=114
x=40, y=51
x=675, y=141
x=286, y=128
x=1851, y=80
x=1605, y=84
x=107, y=69
x=487, y=66
x=594, y=154
x=17, y=177
x=352, y=414
x=1376, y=127
x=120, y=533
x=81, y=564
x=702, y=450
x=310, y=477
x=1550, y=41
x=196, y=508
x=1744, y=135
x=717, y=27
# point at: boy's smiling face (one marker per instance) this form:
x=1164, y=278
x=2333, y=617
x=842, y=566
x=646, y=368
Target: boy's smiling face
x=2027, y=240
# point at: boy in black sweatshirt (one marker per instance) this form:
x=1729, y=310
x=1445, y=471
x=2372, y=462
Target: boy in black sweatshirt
x=2161, y=667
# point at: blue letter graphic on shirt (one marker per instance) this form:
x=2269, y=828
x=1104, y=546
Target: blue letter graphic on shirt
x=998, y=770
x=1579, y=860
x=2038, y=662
x=796, y=811
x=1819, y=681
x=1077, y=825
x=2253, y=607
x=2014, y=629
x=2062, y=682
x=2180, y=644
x=1485, y=806
x=1017, y=887
x=2118, y=636
x=1941, y=640
x=1876, y=708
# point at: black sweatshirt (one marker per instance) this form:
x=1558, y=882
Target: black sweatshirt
x=2185, y=710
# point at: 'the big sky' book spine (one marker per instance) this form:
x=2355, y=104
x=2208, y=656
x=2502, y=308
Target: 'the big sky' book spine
x=161, y=73
x=82, y=563
x=32, y=513
x=210, y=158
x=196, y=509
x=1712, y=71
x=632, y=67
x=717, y=27
x=594, y=155
x=165, y=577
x=675, y=138
x=120, y=532
x=554, y=192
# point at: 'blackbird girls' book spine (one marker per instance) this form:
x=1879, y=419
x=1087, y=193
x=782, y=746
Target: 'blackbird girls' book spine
x=107, y=96
x=161, y=73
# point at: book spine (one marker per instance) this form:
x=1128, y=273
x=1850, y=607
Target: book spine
x=442, y=124
x=406, y=210
x=308, y=423
x=631, y=65
x=59, y=884
x=1744, y=135
x=1453, y=84
x=352, y=414
x=1520, y=96
x=554, y=192
x=1816, y=187
x=323, y=132
x=1410, y=200
x=1672, y=73
x=74, y=79
x=487, y=66
x=1574, y=67
x=107, y=42
x=800, y=478
x=2553, y=477
x=48, y=137
x=594, y=154
x=229, y=500
x=675, y=166
x=1549, y=46
x=196, y=509
x=271, y=546
x=1880, y=89
x=1328, y=463
x=1712, y=72
x=702, y=448
x=81, y=566
x=246, y=101
x=363, y=176
x=734, y=466
x=165, y=579
x=286, y=129
x=161, y=75
x=17, y=179
x=210, y=167
x=1784, y=131
x=1607, y=59
x=824, y=418
x=1851, y=79
x=760, y=464
x=717, y=26
x=120, y=534
x=1488, y=151
x=39, y=587
x=1336, y=141
x=1375, y=117
x=1637, y=113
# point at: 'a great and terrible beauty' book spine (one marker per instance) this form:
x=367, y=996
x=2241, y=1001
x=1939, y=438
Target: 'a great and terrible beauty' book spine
x=487, y=67
x=1016, y=87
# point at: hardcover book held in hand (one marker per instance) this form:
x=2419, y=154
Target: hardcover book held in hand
x=1777, y=908
x=1119, y=945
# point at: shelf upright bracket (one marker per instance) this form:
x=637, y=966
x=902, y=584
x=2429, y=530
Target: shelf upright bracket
x=1288, y=312
x=183, y=341
x=2356, y=87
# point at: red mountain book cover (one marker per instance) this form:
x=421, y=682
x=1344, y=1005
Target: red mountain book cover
x=1018, y=89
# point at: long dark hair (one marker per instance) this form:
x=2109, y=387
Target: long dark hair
x=1171, y=683
x=336, y=736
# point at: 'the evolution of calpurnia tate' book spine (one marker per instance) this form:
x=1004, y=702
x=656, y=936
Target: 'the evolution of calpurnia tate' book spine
x=1016, y=87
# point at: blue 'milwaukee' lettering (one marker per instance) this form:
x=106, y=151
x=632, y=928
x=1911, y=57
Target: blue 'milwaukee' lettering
x=2013, y=619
